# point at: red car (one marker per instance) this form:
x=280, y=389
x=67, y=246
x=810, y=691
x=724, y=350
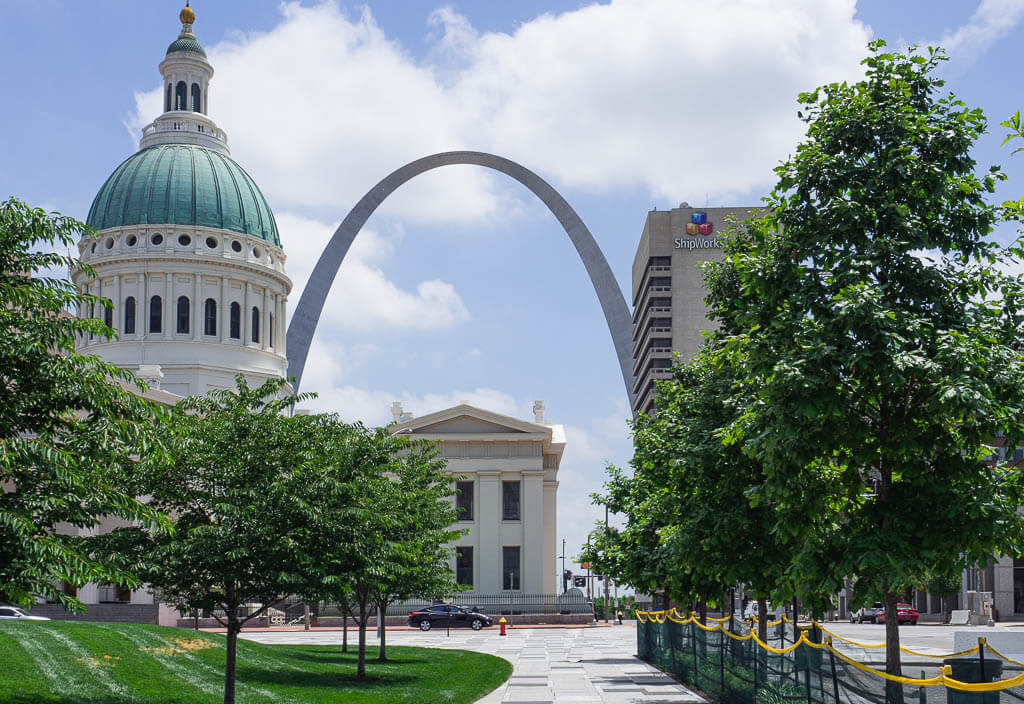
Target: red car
x=905, y=613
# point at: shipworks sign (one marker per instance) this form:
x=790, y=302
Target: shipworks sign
x=698, y=230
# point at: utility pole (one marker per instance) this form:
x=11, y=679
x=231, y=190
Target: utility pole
x=606, y=577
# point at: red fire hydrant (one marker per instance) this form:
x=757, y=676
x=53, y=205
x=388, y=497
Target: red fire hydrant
x=501, y=623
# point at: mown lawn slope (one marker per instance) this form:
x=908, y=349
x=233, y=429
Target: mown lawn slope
x=60, y=662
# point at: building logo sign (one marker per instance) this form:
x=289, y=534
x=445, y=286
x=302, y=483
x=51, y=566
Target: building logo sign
x=697, y=226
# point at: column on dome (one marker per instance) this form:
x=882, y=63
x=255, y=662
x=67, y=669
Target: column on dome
x=167, y=317
x=223, y=310
x=246, y=315
x=198, y=309
x=141, y=306
x=281, y=329
x=265, y=317
x=118, y=305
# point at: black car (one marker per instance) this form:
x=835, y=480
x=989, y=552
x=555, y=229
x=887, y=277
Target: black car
x=447, y=616
x=867, y=613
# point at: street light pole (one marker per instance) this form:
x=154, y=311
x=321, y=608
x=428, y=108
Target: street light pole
x=606, y=567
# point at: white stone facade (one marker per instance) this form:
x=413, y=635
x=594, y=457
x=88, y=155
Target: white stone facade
x=509, y=470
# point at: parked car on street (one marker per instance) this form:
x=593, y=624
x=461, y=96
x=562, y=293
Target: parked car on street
x=11, y=612
x=867, y=613
x=905, y=613
x=447, y=616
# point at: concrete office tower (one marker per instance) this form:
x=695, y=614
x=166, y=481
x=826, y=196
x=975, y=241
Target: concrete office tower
x=669, y=313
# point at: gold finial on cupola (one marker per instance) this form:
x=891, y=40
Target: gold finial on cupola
x=187, y=16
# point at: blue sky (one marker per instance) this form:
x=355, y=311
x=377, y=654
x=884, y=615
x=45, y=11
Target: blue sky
x=463, y=286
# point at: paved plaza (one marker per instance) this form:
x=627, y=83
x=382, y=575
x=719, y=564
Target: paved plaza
x=550, y=665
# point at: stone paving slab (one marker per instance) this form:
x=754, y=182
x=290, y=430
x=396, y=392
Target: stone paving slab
x=550, y=666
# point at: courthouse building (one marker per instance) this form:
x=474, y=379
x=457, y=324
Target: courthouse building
x=506, y=497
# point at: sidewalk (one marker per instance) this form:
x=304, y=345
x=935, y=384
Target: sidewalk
x=551, y=665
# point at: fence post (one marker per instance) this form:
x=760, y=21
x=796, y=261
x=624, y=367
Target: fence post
x=921, y=695
x=981, y=657
x=807, y=667
x=721, y=660
x=832, y=663
x=693, y=645
x=753, y=651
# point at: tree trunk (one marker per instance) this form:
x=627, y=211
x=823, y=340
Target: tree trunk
x=229, y=665
x=762, y=619
x=703, y=612
x=363, y=618
x=382, y=609
x=893, y=666
x=345, y=613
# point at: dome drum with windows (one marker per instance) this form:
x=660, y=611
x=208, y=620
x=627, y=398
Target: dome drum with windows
x=186, y=248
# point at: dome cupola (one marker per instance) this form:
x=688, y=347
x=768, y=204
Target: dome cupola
x=186, y=248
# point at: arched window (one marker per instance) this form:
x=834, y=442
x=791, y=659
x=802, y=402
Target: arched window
x=155, y=314
x=210, y=317
x=129, y=315
x=195, y=98
x=255, y=324
x=108, y=316
x=92, y=314
x=180, y=97
x=182, y=326
x=270, y=330
x=170, y=93
x=236, y=321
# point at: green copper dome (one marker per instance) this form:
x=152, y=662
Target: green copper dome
x=187, y=43
x=183, y=184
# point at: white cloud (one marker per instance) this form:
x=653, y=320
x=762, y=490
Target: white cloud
x=989, y=23
x=678, y=98
x=362, y=298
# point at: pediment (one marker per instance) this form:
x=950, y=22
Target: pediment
x=466, y=424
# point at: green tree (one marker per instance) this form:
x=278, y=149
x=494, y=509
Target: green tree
x=236, y=486
x=67, y=422
x=881, y=340
x=382, y=526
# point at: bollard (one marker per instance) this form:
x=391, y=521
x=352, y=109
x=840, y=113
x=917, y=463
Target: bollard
x=501, y=623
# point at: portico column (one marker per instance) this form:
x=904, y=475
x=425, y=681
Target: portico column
x=532, y=512
x=490, y=525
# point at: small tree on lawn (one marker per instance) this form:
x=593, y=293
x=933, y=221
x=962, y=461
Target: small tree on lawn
x=235, y=486
x=881, y=339
x=66, y=424
x=421, y=493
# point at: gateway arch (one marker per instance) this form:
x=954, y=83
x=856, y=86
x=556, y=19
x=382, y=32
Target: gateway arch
x=307, y=312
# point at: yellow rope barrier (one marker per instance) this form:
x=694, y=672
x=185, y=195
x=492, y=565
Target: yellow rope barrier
x=992, y=650
x=943, y=678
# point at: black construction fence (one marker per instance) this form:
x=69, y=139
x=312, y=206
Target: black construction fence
x=809, y=665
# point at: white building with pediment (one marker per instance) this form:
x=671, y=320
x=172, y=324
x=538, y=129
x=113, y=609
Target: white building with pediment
x=506, y=475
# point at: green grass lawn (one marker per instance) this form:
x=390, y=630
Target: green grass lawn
x=60, y=662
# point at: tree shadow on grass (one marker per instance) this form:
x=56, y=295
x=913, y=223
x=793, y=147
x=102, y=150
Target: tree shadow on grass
x=336, y=657
x=328, y=679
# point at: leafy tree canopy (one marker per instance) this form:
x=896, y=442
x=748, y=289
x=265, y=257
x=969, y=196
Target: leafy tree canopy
x=68, y=426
